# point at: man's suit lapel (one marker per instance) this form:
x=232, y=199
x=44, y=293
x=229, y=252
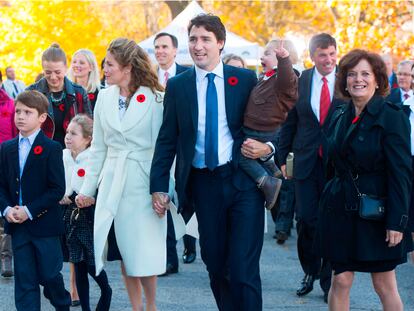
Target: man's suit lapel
x=39, y=145
x=229, y=94
x=190, y=88
x=14, y=155
x=308, y=94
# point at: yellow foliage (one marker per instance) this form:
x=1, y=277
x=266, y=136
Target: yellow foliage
x=29, y=27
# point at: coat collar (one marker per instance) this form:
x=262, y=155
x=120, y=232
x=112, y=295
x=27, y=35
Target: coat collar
x=375, y=105
x=138, y=107
x=42, y=87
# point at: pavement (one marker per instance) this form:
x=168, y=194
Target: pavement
x=280, y=271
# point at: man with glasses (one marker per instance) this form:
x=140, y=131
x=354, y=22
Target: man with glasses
x=404, y=79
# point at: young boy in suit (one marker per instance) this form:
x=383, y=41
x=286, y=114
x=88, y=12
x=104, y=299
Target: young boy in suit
x=32, y=182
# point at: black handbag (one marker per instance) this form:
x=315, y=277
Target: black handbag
x=370, y=207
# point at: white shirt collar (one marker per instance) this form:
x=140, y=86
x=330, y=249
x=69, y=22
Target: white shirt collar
x=31, y=137
x=410, y=93
x=330, y=77
x=171, y=71
x=218, y=71
x=409, y=102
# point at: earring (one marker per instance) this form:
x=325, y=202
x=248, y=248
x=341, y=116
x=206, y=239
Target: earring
x=346, y=89
x=377, y=87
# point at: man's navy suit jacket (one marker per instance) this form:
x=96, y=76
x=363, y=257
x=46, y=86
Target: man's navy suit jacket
x=178, y=133
x=42, y=185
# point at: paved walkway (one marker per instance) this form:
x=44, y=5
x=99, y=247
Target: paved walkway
x=281, y=274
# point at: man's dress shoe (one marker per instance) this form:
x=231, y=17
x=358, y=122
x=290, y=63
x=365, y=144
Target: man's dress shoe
x=6, y=267
x=189, y=257
x=306, y=286
x=170, y=270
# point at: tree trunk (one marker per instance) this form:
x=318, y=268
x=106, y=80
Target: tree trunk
x=176, y=7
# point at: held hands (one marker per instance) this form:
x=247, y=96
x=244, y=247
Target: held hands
x=83, y=201
x=281, y=52
x=254, y=149
x=16, y=215
x=65, y=201
x=160, y=201
x=393, y=238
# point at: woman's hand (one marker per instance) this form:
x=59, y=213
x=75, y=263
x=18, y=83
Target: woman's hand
x=254, y=149
x=393, y=238
x=65, y=201
x=83, y=201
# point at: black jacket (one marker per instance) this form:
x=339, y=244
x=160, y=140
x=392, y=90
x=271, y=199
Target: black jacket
x=377, y=153
x=302, y=133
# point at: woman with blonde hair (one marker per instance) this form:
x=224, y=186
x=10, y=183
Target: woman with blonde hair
x=84, y=71
x=127, y=118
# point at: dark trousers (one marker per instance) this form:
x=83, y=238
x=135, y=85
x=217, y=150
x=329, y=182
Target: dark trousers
x=256, y=169
x=283, y=214
x=189, y=242
x=38, y=261
x=308, y=192
x=230, y=223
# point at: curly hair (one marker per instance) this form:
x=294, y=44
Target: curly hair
x=352, y=59
x=127, y=52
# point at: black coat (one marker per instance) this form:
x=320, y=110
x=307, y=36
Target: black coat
x=377, y=151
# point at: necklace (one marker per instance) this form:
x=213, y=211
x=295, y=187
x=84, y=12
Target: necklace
x=57, y=100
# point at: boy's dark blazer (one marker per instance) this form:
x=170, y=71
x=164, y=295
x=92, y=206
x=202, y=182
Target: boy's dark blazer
x=42, y=185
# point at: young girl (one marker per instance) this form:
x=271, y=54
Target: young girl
x=79, y=222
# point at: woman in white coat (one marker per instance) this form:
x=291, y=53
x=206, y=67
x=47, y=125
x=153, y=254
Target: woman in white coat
x=127, y=118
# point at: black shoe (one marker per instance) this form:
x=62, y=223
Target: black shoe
x=306, y=286
x=281, y=237
x=325, y=297
x=170, y=270
x=6, y=267
x=270, y=187
x=104, y=302
x=75, y=303
x=189, y=257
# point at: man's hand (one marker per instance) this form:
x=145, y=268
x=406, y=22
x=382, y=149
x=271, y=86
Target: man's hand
x=283, y=169
x=254, y=149
x=11, y=215
x=160, y=201
x=20, y=214
x=393, y=238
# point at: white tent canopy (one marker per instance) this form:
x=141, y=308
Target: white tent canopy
x=250, y=51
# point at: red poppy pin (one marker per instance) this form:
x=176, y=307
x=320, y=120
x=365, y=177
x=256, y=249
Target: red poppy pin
x=140, y=98
x=233, y=81
x=355, y=120
x=270, y=73
x=81, y=172
x=91, y=96
x=61, y=107
x=38, y=150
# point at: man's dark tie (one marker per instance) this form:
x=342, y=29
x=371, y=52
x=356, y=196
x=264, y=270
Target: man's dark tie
x=16, y=91
x=406, y=96
x=324, y=104
x=211, y=130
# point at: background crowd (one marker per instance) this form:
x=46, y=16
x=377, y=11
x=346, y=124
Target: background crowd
x=349, y=126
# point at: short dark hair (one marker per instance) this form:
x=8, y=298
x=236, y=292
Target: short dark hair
x=211, y=23
x=33, y=99
x=352, y=59
x=166, y=34
x=322, y=40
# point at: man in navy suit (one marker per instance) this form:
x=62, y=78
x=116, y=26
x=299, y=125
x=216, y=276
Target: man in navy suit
x=302, y=133
x=165, y=46
x=202, y=126
x=404, y=79
x=32, y=182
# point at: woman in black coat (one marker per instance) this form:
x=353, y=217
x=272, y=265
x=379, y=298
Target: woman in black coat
x=369, y=153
